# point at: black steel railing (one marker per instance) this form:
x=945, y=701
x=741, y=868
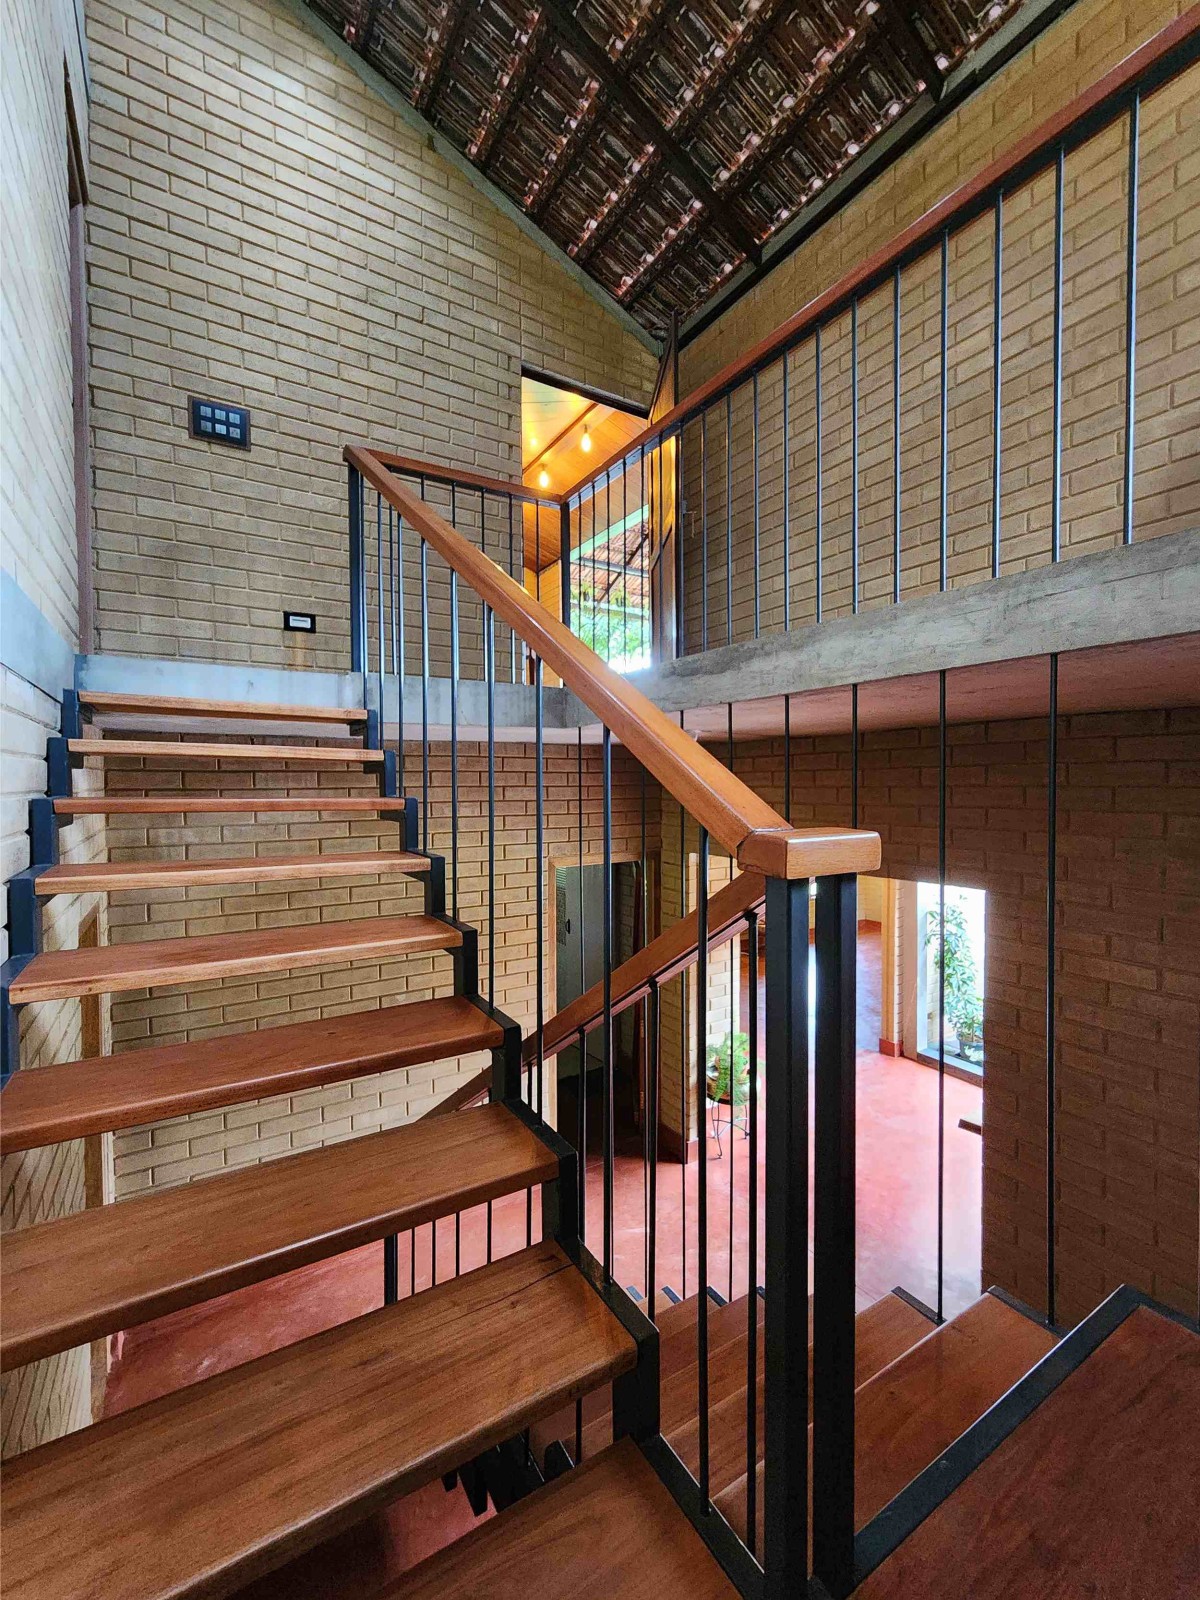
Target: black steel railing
x=674, y=977
x=755, y=485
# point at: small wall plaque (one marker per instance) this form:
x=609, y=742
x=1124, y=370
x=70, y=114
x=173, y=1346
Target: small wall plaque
x=299, y=622
x=219, y=422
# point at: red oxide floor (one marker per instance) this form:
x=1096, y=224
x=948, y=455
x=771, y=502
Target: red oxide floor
x=897, y=1230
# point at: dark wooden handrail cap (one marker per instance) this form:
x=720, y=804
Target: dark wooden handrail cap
x=809, y=852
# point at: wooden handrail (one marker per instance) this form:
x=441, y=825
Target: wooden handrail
x=1019, y=162
x=739, y=820
x=439, y=472
x=657, y=961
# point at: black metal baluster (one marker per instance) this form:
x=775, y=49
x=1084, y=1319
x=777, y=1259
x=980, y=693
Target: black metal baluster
x=582, y=1033
x=1051, y=977
x=787, y=758
x=757, y=526
x=489, y=666
x=652, y=1119
x=854, y=530
x=685, y=1107
x=357, y=575
x=786, y=1413
x=733, y=999
x=997, y=375
x=1131, y=275
x=941, y=1139
x=454, y=672
x=513, y=651
x=818, y=423
x=704, y=528
x=381, y=626
x=540, y=874
x=681, y=626
x=834, y=1239
x=896, y=437
x=424, y=695
x=702, y=1176
x=1056, y=443
x=607, y=1025
x=752, y=1242
x=401, y=657
x=787, y=497
x=944, y=414
x=729, y=518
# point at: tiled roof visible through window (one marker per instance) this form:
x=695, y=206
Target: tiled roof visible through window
x=663, y=143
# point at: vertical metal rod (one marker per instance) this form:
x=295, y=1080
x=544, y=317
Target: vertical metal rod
x=787, y=758
x=1056, y=462
x=941, y=1122
x=454, y=672
x=702, y=1175
x=402, y=668
x=944, y=414
x=757, y=528
x=834, y=1238
x=685, y=1108
x=512, y=572
x=679, y=595
x=381, y=641
x=733, y=1000
x=540, y=875
x=820, y=480
x=729, y=518
x=564, y=560
x=607, y=1027
x=752, y=1241
x=647, y=597
x=1131, y=277
x=652, y=1117
x=583, y=978
x=1051, y=960
x=896, y=437
x=997, y=374
x=787, y=499
x=854, y=509
x=704, y=528
x=358, y=591
x=424, y=695
x=489, y=655
x=854, y=755
x=785, y=1470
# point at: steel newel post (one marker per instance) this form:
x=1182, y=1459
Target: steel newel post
x=833, y=1269
x=358, y=574
x=785, y=1329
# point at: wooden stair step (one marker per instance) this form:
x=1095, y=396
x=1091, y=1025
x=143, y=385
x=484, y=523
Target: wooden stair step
x=235, y=710
x=608, y=1531
x=1096, y=1493
x=913, y=1408
x=181, y=804
x=106, y=877
x=72, y=1099
x=229, y=1478
x=152, y=963
x=115, y=1266
x=179, y=750
x=676, y=1352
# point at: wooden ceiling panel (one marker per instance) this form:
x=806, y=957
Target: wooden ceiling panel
x=663, y=143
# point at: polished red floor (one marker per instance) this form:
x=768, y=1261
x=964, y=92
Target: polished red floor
x=897, y=1232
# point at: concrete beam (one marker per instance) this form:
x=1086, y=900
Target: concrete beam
x=1130, y=594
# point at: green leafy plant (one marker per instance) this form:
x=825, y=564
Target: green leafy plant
x=728, y=1069
x=614, y=624
x=964, y=1010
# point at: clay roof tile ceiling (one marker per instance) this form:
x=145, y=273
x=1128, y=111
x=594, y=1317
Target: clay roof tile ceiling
x=661, y=144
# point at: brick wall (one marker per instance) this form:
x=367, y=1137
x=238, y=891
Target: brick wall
x=1076, y=50
x=1128, y=999
x=191, y=1147
x=267, y=229
x=38, y=553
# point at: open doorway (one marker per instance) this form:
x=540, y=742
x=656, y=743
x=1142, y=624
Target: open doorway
x=579, y=963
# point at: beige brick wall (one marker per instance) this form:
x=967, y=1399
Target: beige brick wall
x=267, y=229
x=1074, y=52
x=191, y=1147
x=38, y=551
x=1128, y=1001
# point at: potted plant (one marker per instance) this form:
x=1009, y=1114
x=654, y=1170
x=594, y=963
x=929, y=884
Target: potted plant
x=964, y=1012
x=728, y=1070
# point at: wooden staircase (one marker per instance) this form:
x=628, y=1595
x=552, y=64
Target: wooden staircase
x=211, y=1486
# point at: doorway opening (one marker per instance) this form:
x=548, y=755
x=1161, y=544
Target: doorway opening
x=579, y=963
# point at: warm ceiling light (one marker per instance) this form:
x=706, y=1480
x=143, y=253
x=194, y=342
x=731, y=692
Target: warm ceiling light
x=543, y=479
x=585, y=443
x=533, y=441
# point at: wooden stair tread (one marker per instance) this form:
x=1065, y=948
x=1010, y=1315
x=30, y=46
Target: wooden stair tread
x=226, y=1479
x=1096, y=1493
x=105, y=877
x=180, y=804
x=71, y=1099
x=115, y=1266
x=884, y=1333
x=149, y=963
x=186, y=706
x=609, y=1531
x=178, y=749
